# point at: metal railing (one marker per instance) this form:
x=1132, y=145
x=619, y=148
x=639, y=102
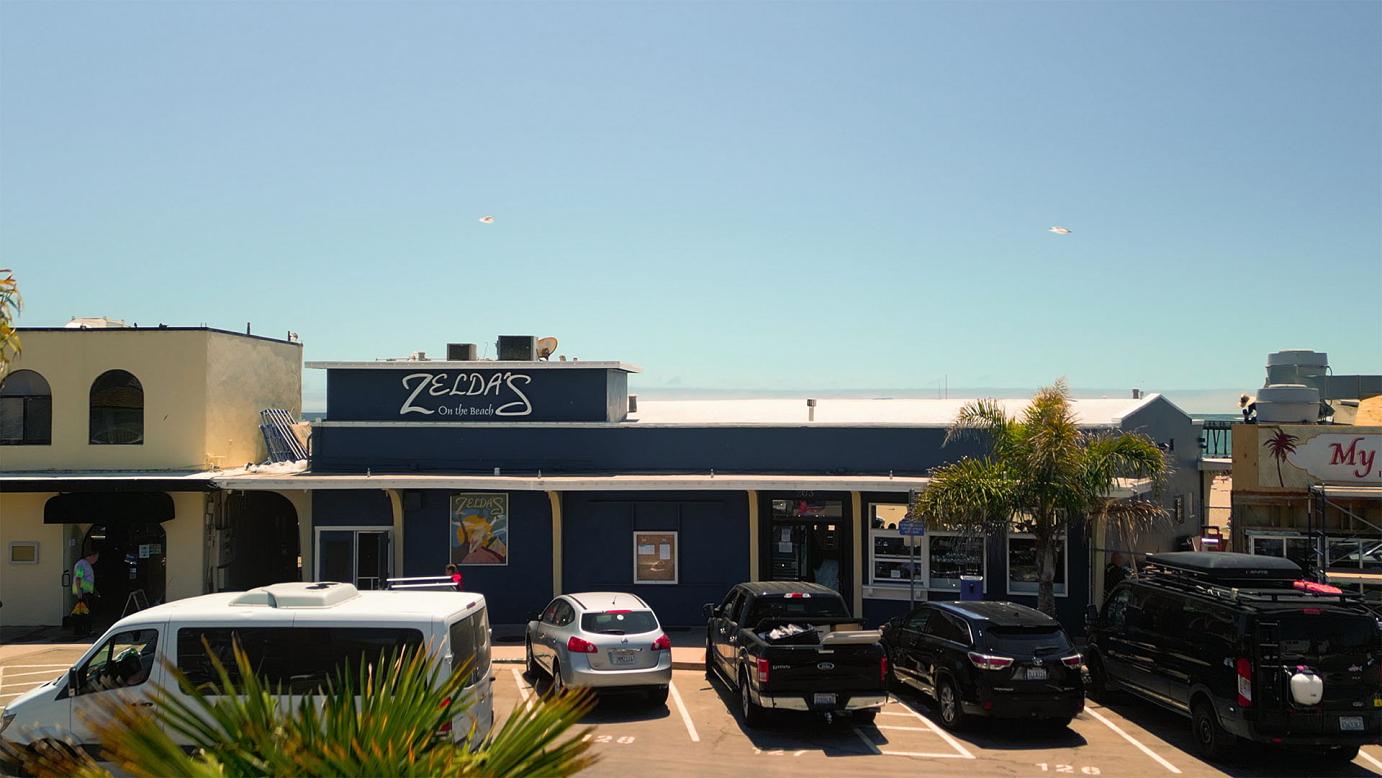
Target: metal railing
x=1216, y=438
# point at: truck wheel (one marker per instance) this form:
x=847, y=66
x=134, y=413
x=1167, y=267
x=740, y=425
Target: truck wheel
x=754, y=715
x=1098, y=679
x=952, y=711
x=1211, y=740
x=709, y=661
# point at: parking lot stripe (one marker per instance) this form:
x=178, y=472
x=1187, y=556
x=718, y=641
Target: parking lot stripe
x=685, y=717
x=893, y=713
x=22, y=684
x=922, y=754
x=873, y=749
x=901, y=729
x=952, y=742
x=35, y=667
x=1130, y=739
x=1371, y=759
x=33, y=672
x=522, y=687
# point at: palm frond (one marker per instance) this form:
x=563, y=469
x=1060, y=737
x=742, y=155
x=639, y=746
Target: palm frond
x=982, y=420
x=971, y=496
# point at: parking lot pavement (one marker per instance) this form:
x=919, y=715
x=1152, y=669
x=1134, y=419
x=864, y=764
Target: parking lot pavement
x=703, y=735
x=22, y=670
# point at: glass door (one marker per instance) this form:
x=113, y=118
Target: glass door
x=355, y=556
x=805, y=544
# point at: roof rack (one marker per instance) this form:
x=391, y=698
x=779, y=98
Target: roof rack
x=1224, y=577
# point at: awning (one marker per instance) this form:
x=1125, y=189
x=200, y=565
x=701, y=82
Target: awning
x=108, y=508
x=1349, y=492
x=13, y=482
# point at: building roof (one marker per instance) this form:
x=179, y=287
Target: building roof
x=471, y=364
x=1106, y=412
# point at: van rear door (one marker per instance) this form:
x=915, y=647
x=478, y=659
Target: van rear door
x=1343, y=649
x=469, y=637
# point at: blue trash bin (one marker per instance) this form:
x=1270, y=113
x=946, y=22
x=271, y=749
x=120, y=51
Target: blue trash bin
x=971, y=587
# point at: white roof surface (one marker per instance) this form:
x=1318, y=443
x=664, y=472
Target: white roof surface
x=854, y=411
x=366, y=605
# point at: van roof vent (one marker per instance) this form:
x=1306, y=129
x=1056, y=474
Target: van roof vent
x=298, y=595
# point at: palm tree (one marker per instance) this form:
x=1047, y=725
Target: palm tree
x=10, y=306
x=1281, y=445
x=390, y=719
x=1040, y=472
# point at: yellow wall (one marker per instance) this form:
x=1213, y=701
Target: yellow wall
x=203, y=391
x=32, y=594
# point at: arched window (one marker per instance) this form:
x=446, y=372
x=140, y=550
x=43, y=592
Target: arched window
x=26, y=410
x=117, y=409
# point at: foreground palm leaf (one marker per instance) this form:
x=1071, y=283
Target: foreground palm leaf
x=1041, y=472
x=383, y=720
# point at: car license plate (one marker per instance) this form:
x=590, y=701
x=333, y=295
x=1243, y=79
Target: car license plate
x=823, y=700
x=621, y=657
x=1036, y=674
x=1351, y=723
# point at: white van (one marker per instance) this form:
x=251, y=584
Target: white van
x=298, y=634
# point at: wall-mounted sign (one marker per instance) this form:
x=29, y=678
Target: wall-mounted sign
x=1297, y=456
x=414, y=393
x=479, y=529
x=654, y=557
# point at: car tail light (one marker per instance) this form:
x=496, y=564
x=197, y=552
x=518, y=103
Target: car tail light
x=987, y=662
x=663, y=643
x=446, y=725
x=797, y=595
x=1311, y=611
x=580, y=646
x=1244, y=668
x=883, y=668
x=763, y=668
x=1071, y=661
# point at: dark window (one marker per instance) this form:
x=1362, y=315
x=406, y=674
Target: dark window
x=1207, y=623
x=728, y=606
x=549, y=616
x=946, y=627
x=816, y=606
x=124, y=661
x=295, y=660
x=917, y=621
x=117, y=409
x=26, y=410
x=1162, y=614
x=1332, y=641
x=565, y=613
x=470, y=644
x=619, y=622
x=1028, y=641
x=1116, y=609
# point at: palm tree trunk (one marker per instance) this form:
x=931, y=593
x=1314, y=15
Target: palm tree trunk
x=1046, y=575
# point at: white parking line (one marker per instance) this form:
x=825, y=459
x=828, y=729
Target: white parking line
x=522, y=686
x=49, y=673
x=952, y=742
x=1371, y=759
x=892, y=713
x=902, y=729
x=1130, y=739
x=23, y=684
x=32, y=667
x=685, y=717
x=873, y=749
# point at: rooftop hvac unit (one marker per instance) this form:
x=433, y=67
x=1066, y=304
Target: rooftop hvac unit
x=1296, y=366
x=516, y=348
x=1288, y=404
x=460, y=352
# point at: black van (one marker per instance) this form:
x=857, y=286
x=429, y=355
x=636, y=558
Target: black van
x=1246, y=649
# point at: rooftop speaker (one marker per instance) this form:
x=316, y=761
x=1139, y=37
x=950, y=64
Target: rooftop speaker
x=516, y=348
x=460, y=352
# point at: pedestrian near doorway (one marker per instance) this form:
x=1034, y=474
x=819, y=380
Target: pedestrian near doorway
x=84, y=587
x=1115, y=572
x=456, y=579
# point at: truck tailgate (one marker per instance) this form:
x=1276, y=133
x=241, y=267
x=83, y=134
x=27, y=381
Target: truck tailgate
x=807, y=669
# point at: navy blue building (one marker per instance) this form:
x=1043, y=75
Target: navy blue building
x=543, y=477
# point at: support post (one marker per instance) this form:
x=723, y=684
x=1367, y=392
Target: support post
x=555, y=499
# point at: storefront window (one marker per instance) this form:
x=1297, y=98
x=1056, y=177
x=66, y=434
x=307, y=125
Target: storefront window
x=1023, y=576
x=951, y=556
x=891, y=564
x=1293, y=547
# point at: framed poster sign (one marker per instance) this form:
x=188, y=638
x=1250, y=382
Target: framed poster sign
x=479, y=529
x=654, y=557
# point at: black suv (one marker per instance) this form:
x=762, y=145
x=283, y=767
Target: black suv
x=1246, y=649
x=996, y=659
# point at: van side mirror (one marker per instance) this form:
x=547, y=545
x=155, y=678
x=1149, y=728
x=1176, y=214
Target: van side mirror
x=708, y=610
x=72, y=682
x=1091, y=614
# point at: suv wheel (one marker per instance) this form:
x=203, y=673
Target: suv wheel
x=558, y=685
x=754, y=715
x=951, y=708
x=1340, y=754
x=530, y=661
x=1211, y=740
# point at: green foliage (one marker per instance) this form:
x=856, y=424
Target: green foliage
x=10, y=306
x=383, y=720
x=1038, y=473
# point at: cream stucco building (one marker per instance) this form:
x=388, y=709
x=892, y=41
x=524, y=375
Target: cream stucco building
x=109, y=437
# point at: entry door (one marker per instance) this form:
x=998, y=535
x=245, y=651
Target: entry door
x=356, y=556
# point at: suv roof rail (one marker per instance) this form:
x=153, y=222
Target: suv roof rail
x=1242, y=595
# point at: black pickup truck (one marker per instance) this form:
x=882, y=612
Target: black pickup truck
x=788, y=645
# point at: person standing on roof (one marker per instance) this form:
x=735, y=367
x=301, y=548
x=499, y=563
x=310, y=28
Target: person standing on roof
x=84, y=587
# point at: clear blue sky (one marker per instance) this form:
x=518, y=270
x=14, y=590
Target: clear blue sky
x=771, y=195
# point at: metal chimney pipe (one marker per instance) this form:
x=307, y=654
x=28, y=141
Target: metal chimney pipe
x=810, y=409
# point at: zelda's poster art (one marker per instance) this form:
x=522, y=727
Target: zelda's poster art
x=480, y=529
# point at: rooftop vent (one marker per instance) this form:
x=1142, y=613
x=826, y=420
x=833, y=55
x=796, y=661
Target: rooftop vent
x=460, y=352
x=418, y=356
x=298, y=595
x=516, y=348
x=1288, y=404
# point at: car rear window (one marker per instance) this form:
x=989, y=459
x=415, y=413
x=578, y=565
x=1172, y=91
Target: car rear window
x=619, y=622
x=1321, y=636
x=818, y=607
x=1033, y=640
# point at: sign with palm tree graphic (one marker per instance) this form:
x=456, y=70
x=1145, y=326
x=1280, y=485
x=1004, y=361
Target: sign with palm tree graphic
x=1309, y=454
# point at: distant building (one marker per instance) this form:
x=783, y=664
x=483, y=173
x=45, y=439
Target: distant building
x=109, y=436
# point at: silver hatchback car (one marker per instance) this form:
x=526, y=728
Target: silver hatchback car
x=605, y=641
